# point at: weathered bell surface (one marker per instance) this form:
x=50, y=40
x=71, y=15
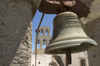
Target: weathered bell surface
x=68, y=33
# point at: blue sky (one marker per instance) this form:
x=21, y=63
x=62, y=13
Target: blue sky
x=47, y=21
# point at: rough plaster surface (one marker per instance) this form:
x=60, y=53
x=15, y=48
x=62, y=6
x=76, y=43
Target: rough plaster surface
x=91, y=25
x=93, y=30
x=42, y=60
x=15, y=32
x=45, y=60
x=94, y=9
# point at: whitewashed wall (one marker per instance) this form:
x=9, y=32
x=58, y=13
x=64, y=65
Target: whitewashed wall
x=45, y=59
x=76, y=58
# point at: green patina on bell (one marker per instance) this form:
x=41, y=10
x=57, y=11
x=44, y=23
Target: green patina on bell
x=68, y=33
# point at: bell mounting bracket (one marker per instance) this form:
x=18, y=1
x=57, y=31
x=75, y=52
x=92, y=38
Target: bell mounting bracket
x=57, y=6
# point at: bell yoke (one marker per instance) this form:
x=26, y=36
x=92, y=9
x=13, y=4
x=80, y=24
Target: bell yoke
x=68, y=32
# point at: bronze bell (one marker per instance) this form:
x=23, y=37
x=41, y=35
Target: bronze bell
x=68, y=33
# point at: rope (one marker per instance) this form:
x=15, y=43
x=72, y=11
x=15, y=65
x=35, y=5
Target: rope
x=37, y=31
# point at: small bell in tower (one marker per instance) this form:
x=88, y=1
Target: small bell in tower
x=38, y=41
x=44, y=41
x=41, y=30
x=46, y=31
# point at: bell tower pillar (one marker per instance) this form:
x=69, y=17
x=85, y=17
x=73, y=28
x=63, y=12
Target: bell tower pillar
x=43, y=39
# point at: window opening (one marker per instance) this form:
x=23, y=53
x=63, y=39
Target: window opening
x=46, y=33
x=38, y=43
x=41, y=32
x=83, y=62
x=50, y=64
x=44, y=43
x=38, y=62
x=53, y=64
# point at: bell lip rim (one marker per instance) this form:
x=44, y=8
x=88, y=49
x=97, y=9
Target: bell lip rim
x=90, y=41
x=72, y=38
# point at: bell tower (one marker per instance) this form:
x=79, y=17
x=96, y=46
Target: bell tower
x=43, y=39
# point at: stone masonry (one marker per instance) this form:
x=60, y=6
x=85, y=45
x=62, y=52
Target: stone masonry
x=16, y=31
x=93, y=30
x=91, y=25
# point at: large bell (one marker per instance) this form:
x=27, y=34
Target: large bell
x=68, y=33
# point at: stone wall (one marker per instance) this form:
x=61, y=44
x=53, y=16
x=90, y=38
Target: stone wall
x=94, y=9
x=42, y=60
x=91, y=25
x=93, y=30
x=16, y=31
